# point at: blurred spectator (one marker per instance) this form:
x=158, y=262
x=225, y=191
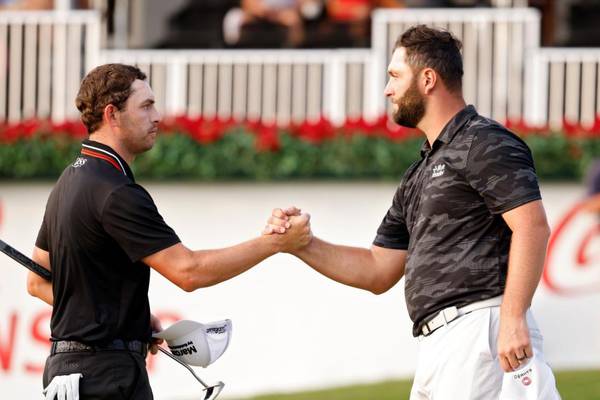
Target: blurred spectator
x=592, y=203
x=347, y=23
x=193, y=24
x=354, y=17
x=26, y=4
x=269, y=23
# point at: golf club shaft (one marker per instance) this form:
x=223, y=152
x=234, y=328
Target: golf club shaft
x=24, y=260
x=184, y=364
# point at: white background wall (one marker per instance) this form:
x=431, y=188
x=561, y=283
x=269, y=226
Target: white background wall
x=293, y=329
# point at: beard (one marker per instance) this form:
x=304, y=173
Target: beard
x=136, y=139
x=411, y=107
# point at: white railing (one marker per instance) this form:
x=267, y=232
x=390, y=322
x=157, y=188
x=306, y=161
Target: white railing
x=43, y=56
x=566, y=86
x=495, y=43
x=279, y=86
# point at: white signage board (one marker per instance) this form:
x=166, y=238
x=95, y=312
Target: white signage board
x=292, y=328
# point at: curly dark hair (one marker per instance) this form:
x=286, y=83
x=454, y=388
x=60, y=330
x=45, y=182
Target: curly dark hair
x=434, y=48
x=104, y=85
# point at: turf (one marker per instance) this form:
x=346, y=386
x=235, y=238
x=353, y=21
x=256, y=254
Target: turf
x=572, y=385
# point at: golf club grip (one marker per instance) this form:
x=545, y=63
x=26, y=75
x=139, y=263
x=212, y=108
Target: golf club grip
x=25, y=261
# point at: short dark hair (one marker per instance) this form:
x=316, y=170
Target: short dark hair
x=104, y=85
x=434, y=48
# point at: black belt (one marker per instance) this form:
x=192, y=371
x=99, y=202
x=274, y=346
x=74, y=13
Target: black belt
x=69, y=346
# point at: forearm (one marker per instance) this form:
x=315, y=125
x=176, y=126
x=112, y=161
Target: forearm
x=36, y=285
x=526, y=263
x=351, y=266
x=210, y=267
x=592, y=204
x=40, y=288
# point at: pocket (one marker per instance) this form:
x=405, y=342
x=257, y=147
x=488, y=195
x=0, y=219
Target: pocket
x=46, y=377
x=124, y=374
x=492, y=332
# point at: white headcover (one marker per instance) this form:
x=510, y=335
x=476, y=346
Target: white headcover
x=532, y=381
x=195, y=343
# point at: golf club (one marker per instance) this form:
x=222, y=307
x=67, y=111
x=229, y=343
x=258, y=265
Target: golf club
x=211, y=391
x=24, y=260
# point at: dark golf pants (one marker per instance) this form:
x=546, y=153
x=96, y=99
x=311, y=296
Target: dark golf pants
x=111, y=374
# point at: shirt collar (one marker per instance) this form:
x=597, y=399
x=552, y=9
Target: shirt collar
x=99, y=150
x=452, y=127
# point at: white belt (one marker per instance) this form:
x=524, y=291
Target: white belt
x=449, y=314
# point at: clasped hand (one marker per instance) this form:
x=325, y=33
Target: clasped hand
x=291, y=228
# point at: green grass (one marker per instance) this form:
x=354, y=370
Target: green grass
x=572, y=385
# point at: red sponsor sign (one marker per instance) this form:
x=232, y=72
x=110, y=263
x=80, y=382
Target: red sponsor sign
x=573, y=261
x=38, y=333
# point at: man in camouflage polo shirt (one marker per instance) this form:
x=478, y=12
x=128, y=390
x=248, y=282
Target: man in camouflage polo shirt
x=466, y=227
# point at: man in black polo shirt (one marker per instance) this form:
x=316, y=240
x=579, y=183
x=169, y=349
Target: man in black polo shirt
x=466, y=228
x=100, y=234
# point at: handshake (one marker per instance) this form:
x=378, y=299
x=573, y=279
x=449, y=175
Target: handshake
x=289, y=229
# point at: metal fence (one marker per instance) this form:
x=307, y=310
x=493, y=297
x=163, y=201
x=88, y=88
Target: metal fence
x=270, y=85
x=495, y=44
x=566, y=84
x=44, y=55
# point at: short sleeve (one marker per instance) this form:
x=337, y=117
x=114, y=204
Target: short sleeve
x=392, y=232
x=131, y=218
x=593, y=179
x=500, y=168
x=42, y=238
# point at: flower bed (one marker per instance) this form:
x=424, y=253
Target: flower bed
x=203, y=149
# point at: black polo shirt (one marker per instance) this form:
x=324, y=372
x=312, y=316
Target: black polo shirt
x=97, y=227
x=447, y=214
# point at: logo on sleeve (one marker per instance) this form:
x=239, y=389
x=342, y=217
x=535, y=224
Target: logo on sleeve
x=80, y=162
x=438, y=170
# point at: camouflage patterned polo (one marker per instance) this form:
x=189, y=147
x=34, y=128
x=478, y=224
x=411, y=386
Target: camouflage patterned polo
x=447, y=214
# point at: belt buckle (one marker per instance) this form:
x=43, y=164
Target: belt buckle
x=449, y=314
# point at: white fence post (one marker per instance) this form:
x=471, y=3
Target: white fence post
x=14, y=84
x=176, y=85
x=335, y=89
x=59, y=61
x=3, y=69
x=536, y=90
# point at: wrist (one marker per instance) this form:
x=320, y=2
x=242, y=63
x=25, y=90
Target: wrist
x=304, y=250
x=512, y=311
x=272, y=243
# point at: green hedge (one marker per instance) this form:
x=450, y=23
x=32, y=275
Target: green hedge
x=236, y=156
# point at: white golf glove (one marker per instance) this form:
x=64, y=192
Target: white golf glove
x=63, y=387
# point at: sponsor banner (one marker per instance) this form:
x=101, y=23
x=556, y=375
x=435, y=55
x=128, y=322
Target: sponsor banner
x=294, y=329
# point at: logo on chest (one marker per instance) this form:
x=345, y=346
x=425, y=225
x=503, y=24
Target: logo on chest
x=438, y=170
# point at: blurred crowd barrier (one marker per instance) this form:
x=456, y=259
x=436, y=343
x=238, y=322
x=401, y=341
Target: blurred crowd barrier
x=294, y=329
x=44, y=55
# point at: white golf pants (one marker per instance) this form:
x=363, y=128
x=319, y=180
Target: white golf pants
x=459, y=362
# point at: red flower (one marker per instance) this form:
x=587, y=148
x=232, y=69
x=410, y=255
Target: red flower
x=202, y=130
x=267, y=138
x=74, y=129
x=314, y=131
